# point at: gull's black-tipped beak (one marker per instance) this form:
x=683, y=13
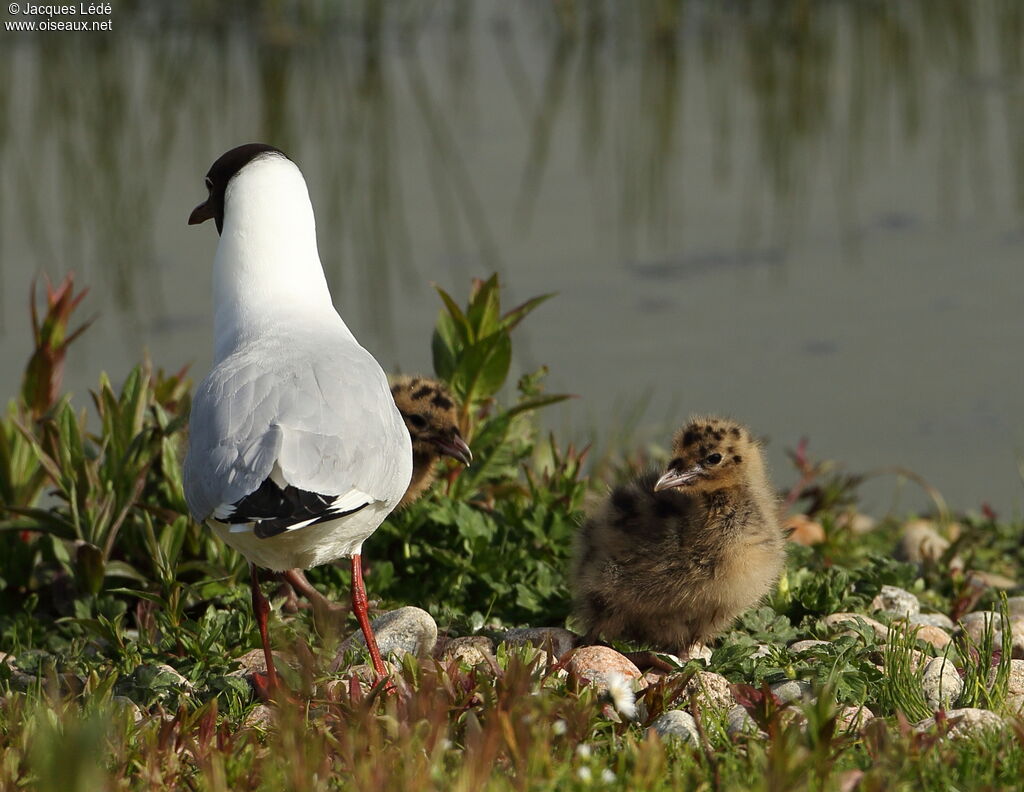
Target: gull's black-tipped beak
x=456, y=448
x=676, y=478
x=201, y=213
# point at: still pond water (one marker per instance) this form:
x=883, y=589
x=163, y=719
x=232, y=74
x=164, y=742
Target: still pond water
x=809, y=216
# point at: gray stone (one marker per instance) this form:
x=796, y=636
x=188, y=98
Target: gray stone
x=802, y=646
x=738, y=721
x=676, y=723
x=940, y=620
x=407, y=630
x=471, y=650
x=700, y=651
x=125, y=704
x=853, y=718
x=975, y=624
x=792, y=690
x=897, y=601
x=171, y=673
x=1015, y=688
x=21, y=682
x=557, y=640
x=940, y=683
x=979, y=577
x=711, y=690
x=254, y=661
x=966, y=722
x=1016, y=605
x=835, y=620
x=260, y=717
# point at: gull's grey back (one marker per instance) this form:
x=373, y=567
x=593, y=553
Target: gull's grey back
x=320, y=407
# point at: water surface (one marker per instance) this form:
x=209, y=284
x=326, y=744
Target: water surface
x=808, y=216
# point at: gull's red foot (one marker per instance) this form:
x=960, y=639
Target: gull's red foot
x=269, y=687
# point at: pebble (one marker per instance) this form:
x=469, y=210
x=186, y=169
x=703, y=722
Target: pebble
x=738, y=721
x=791, y=690
x=803, y=530
x=940, y=620
x=127, y=705
x=921, y=542
x=592, y=664
x=991, y=579
x=711, y=690
x=802, y=646
x=897, y=601
x=700, y=651
x=975, y=624
x=1016, y=606
x=471, y=650
x=556, y=640
x=935, y=636
x=1015, y=687
x=254, y=662
x=969, y=720
x=407, y=630
x=940, y=683
x=21, y=682
x=260, y=717
x=856, y=523
x=174, y=675
x=676, y=723
x=835, y=619
x=917, y=659
x=853, y=718
x=363, y=672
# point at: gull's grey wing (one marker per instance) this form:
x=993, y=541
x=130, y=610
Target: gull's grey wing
x=325, y=417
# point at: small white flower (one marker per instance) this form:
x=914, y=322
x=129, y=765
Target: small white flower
x=621, y=693
x=583, y=751
x=559, y=727
x=584, y=773
x=607, y=776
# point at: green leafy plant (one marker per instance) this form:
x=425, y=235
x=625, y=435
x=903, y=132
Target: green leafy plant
x=496, y=540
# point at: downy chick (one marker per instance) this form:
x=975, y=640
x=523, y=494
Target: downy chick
x=431, y=415
x=671, y=560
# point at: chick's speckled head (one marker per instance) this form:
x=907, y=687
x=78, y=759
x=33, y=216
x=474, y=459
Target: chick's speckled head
x=431, y=416
x=710, y=453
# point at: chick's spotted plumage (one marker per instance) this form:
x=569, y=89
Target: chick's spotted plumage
x=431, y=415
x=671, y=559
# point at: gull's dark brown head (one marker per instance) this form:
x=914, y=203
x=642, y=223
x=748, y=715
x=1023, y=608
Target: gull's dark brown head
x=218, y=177
x=710, y=453
x=432, y=416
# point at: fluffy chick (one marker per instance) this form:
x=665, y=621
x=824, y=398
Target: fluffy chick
x=671, y=559
x=432, y=416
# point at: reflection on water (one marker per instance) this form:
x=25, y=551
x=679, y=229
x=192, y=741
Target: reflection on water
x=807, y=214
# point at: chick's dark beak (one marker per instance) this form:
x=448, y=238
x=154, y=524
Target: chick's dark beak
x=676, y=478
x=201, y=213
x=454, y=447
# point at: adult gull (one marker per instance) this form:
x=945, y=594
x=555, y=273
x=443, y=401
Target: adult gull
x=297, y=451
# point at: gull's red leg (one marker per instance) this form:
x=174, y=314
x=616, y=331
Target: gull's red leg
x=359, y=606
x=261, y=609
x=322, y=606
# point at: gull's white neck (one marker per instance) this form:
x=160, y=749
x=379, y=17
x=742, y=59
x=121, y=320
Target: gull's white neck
x=267, y=270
